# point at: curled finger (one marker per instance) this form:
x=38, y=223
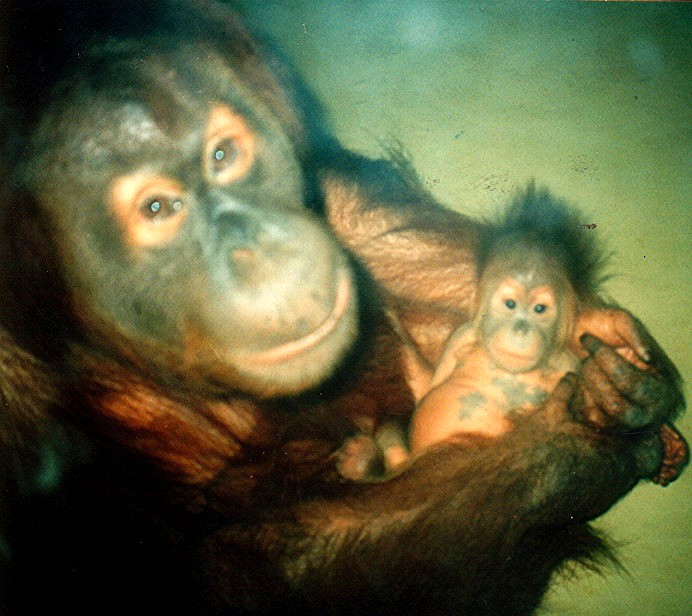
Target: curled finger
x=617, y=328
x=603, y=404
x=584, y=409
x=558, y=404
x=631, y=396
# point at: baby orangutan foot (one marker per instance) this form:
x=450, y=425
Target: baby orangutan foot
x=676, y=455
x=360, y=458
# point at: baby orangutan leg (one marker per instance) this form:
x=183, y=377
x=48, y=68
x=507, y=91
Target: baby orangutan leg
x=393, y=443
x=676, y=455
x=360, y=458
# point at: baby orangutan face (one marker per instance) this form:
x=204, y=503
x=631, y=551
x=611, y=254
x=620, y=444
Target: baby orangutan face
x=526, y=304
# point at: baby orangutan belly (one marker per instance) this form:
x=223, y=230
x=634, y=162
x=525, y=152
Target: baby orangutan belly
x=480, y=398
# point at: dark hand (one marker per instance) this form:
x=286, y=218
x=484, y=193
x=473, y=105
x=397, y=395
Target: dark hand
x=614, y=396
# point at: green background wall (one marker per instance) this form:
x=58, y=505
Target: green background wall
x=592, y=100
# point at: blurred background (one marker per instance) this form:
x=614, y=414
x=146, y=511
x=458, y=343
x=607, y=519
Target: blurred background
x=590, y=99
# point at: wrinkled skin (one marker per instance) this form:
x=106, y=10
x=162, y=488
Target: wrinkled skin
x=211, y=486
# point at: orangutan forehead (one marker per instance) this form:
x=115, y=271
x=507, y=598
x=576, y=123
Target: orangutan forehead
x=530, y=265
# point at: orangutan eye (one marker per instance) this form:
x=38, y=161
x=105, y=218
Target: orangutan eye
x=229, y=147
x=224, y=155
x=149, y=208
x=160, y=207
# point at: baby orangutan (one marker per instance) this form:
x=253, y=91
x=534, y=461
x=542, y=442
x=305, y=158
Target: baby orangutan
x=523, y=340
x=537, y=297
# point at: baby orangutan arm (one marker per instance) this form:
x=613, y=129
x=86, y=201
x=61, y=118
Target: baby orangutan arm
x=460, y=344
x=616, y=328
